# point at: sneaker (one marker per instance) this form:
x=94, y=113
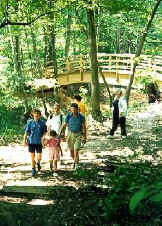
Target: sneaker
x=123, y=137
x=33, y=172
x=73, y=165
x=77, y=166
x=110, y=136
x=38, y=166
x=55, y=174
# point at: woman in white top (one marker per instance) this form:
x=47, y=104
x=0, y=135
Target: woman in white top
x=55, y=121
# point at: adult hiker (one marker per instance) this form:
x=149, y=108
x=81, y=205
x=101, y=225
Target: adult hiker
x=119, y=113
x=81, y=106
x=55, y=120
x=34, y=131
x=76, y=132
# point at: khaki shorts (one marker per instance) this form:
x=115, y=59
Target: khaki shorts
x=74, y=140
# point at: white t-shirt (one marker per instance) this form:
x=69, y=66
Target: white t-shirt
x=54, y=123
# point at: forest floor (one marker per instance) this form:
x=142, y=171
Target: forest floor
x=72, y=197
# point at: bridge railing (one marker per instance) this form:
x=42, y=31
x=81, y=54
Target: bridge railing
x=118, y=63
x=115, y=63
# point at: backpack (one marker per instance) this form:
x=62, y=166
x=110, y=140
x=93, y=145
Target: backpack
x=61, y=117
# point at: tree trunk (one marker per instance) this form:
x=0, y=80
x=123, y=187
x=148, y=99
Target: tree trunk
x=118, y=40
x=107, y=87
x=95, y=91
x=17, y=56
x=35, y=54
x=45, y=39
x=51, y=55
x=52, y=49
x=29, y=52
x=140, y=46
x=44, y=104
x=68, y=34
x=18, y=63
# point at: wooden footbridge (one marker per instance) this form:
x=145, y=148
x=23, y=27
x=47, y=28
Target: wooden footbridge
x=116, y=68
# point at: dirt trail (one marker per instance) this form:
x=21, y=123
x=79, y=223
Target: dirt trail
x=15, y=160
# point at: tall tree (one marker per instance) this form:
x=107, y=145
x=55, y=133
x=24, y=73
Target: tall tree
x=68, y=33
x=95, y=90
x=140, y=46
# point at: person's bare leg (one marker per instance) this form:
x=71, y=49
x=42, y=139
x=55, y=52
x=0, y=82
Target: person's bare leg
x=51, y=165
x=33, y=160
x=76, y=156
x=39, y=157
x=55, y=165
x=72, y=153
x=33, y=164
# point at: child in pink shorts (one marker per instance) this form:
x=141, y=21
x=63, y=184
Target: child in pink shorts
x=53, y=143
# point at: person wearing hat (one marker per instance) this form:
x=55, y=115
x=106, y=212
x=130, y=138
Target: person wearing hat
x=76, y=132
x=119, y=113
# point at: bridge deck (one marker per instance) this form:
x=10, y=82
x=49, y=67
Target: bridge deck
x=85, y=77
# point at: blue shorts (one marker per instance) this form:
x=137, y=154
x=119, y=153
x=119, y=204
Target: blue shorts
x=35, y=147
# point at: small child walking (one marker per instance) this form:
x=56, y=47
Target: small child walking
x=53, y=143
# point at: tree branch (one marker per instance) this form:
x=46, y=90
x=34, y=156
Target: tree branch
x=107, y=86
x=8, y=22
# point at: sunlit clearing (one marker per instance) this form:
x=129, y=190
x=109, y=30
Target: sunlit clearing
x=38, y=202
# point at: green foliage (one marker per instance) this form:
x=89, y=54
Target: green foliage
x=11, y=124
x=137, y=105
x=86, y=174
x=108, y=114
x=137, y=197
x=151, y=192
x=124, y=5
x=131, y=187
x=144, y=80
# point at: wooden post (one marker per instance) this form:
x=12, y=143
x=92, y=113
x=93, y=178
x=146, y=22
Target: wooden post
x=154, y=64
x=81, y=68
x=68, y=66
x=131, y=63
x=151, y=64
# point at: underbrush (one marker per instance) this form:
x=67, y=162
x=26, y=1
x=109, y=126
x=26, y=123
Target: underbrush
x=134, y=194
x=11, y=125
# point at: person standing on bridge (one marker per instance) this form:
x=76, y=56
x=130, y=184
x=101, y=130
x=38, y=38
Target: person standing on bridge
x=119, y=113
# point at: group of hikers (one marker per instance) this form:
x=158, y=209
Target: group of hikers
x=71, y=128
x=39, y=134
